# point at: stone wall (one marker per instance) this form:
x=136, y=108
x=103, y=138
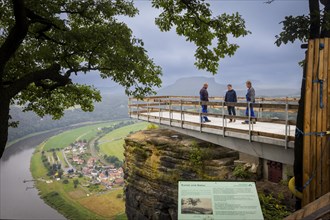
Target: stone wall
x=154, y=162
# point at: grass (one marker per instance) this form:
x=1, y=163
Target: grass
x=42, y=132
x=106, y=204
x=112, y=143
x=37, y=168
x=63, y=162
x=66, y=138
x=72, y=202
x=121, y=217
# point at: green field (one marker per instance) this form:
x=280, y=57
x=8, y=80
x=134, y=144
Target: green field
x=112, y=143
x=55, y=194
x=74, y=203
x=41, y=132
x=63, y=162
x=66, y=138
x=80, y=202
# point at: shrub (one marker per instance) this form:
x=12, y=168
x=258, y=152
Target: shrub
x=272, y=208
x=240, y=172
x=119, y=196
x=196, y=156
x=152, y=127
x=65, y=181
x=75, y=183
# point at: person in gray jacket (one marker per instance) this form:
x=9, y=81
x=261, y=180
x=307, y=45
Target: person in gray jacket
x=250, y=98
x=231, y=97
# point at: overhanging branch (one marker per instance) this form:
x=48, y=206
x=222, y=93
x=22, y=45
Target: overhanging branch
x=16, y=35
x=52, y=73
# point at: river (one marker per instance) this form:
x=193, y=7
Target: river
x=16, y=201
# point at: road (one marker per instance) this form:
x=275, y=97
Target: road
x=69, y=164
x=95, y=153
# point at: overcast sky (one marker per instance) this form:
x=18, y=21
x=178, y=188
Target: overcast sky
x=258, y=58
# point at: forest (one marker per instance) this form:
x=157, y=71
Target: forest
x=112, y=107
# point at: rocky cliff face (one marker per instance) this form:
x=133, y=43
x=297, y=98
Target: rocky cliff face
x=156, y=159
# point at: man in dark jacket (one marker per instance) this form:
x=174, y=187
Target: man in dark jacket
x=204, y=96
x=231, y=97
x=250, y=98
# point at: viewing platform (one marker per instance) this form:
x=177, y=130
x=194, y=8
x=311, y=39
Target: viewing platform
x=271, y=137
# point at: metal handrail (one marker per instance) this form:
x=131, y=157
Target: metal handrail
x=172, y=104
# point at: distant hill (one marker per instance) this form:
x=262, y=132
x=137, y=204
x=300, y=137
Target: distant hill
x=190, y=86
x=112, y=107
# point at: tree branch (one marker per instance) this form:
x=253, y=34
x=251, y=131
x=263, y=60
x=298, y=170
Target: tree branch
x=325, y=30
x=35, y=18
x=314, y=8
x=187, y=4
x=37, y=77
x=15, y=37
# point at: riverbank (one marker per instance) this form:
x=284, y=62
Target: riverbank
x=15, y=167
x=78, y=195
x=19, y=199
x=74, y=203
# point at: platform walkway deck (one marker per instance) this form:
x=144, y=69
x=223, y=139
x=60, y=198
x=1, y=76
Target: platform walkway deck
x=270, y=138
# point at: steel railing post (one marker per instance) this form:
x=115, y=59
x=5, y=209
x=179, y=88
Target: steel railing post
x=170, y=111
x=181, y=113
x=223, y=118
x=160, y=110
x=148, y=110
x=262, y=101
x=138, y=110
x=200, y=116
x=249, y=110
x=286, y=123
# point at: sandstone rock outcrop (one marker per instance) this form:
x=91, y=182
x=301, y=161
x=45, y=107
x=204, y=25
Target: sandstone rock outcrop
x=154, y=162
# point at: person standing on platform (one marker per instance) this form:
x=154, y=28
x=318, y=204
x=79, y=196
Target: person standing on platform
x=250, y=98
x=231, y=97
x=204, y=97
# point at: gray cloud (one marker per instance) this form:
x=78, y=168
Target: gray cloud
x=257, y=59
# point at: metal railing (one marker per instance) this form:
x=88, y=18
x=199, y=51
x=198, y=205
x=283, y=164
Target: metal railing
x=271, y=110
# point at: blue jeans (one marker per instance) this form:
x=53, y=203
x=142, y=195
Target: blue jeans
x=251, y=110
x=204, y=110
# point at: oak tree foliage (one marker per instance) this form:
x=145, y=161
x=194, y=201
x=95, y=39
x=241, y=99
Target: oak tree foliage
x=303, y=27
x=44, y=43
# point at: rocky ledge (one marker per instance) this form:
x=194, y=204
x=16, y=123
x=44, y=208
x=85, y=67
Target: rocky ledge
x=154, y=162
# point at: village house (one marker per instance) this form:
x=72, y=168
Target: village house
x=86, y=171
x=77, y=160
x=94, y=173
x=102, y=176
x=107, y=183
x=91, y=162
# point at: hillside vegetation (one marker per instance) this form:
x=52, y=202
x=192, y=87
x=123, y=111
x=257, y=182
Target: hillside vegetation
x=112, y=107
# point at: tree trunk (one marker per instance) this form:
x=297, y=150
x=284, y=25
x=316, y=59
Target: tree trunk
x=4, y=118
x=314, y=10
x=299, y=139
x=314, y=32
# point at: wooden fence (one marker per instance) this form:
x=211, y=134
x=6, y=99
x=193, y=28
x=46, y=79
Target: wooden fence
x=316, y=145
